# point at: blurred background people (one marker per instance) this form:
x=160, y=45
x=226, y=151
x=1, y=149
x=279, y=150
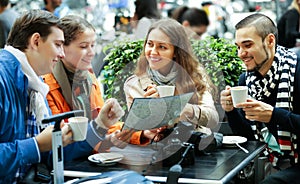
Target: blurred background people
x=216, y=16
x=7, y=18
x=52, y=6
x=288, y=27
x=193, y=19
x=146, y=12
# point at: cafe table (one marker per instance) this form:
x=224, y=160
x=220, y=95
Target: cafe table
x=220, y=166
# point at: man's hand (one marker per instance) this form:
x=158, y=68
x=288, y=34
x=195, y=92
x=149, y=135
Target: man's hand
x=226, y=99
x=257, y=110
x=109, y=114
x=44, y=139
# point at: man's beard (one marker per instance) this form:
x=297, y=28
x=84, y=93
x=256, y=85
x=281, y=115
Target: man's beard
x=258, y=66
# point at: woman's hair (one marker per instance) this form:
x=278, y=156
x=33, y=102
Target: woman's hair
x=195, y=16
x=146, y=8
x=72, y=26
x=32, y=21
x=295, y=5
x=183, y=56
x=262, y=24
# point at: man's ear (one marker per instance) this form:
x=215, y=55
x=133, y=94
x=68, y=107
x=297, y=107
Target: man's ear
x=271, y=40
x=34, y=40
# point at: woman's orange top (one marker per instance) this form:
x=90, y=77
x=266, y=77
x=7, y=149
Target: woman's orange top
x=58, y=104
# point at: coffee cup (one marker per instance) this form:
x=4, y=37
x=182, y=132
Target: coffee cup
x=239, y=94
x=164, y=91
x=79, y=127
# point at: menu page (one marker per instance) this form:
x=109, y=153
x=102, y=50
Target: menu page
x=149, y=113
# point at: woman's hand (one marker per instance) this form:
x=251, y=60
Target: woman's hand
x=151, y=91
x=118, y=139
x=154, y=134
x=187, y=113
x=109, y=114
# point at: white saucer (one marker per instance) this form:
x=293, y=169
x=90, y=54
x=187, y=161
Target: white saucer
x=232, y=140
x=105, y=158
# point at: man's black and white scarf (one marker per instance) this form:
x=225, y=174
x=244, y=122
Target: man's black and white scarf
x=280, y=75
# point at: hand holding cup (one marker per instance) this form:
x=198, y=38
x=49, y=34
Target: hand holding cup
x=239, y=94
x=79, y=127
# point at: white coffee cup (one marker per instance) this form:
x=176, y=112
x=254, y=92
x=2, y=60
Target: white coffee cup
x=79, y=127
x=239, y=94
x=164, y=91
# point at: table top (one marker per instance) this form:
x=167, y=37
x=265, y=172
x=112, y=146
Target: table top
x=219, y=166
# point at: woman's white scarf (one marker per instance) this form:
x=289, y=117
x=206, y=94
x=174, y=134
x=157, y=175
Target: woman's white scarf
x=159, y=79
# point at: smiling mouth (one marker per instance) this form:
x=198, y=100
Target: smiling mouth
x=87, y=61
x=155, y=59
x=248, y=59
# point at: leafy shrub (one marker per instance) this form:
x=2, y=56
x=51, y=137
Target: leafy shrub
x=120, y=60
x=219, y=57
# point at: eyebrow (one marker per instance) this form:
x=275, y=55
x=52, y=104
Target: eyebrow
x=86, y=42
x=243, y=42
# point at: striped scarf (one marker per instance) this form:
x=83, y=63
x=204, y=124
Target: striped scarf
x=281, y=74
x=160, y=79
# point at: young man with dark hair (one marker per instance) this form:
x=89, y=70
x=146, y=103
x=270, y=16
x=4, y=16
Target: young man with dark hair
x=272, y=113
x=34, y=45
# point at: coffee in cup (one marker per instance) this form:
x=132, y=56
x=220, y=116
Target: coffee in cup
x=239, y=94
x=79, y=127
x=164, y=91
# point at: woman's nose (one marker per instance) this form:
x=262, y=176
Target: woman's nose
x=92, y=51
x=154, y=50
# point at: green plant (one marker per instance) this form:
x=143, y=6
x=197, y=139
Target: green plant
x=218, y=56
x=120, y=65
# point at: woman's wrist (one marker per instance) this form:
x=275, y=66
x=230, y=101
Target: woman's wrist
x=99, y=129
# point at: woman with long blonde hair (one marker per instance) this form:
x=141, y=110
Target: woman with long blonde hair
x=167, y=59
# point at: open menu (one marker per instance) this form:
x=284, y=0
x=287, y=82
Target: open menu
x=150, y=113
